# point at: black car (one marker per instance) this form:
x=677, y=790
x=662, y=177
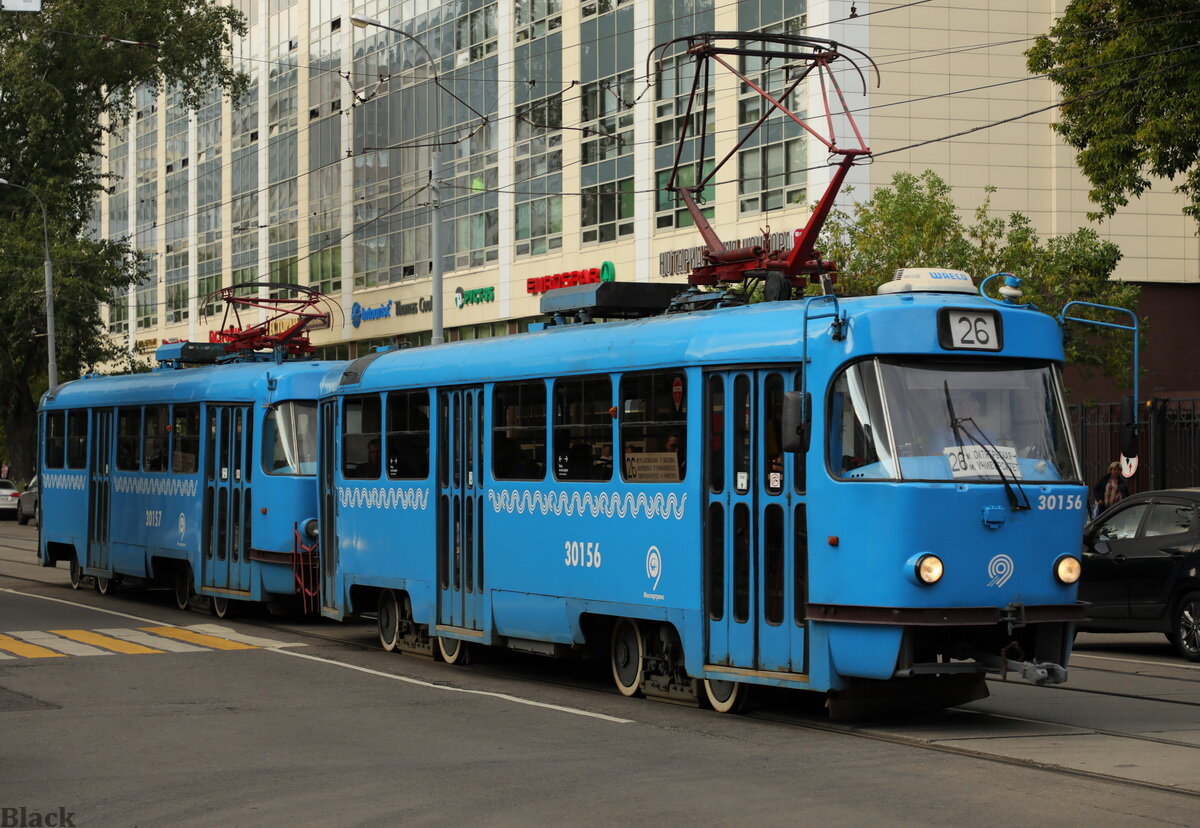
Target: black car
x=1141, y=568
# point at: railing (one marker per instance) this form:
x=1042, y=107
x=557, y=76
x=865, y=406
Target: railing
x=1170, y=447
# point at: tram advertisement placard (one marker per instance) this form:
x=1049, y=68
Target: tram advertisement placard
x=976, y=461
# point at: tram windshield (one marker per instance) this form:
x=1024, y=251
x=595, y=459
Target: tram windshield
x=290, y=438
x=959, y=420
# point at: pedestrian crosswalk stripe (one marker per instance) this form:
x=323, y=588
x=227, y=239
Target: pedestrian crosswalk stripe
x=54, y=642
x=155, y=641
x=199, y=638
x=115, y=644
x=20, y=648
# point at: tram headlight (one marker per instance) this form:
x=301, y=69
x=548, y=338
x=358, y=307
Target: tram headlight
x=1067, y=569
x=929, y=569
x=312, y=528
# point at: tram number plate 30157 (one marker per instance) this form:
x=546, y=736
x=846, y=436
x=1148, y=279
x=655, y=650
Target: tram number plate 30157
x=960, y=329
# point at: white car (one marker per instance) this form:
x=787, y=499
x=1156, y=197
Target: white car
x=8, y=499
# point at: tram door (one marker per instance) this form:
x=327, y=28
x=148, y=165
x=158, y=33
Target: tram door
x=327, y=538
x=755, y=544
x=99, y=491
x=227, y=499
x=460, y=507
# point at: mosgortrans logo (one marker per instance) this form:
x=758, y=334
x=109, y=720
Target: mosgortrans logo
x=359, y=314
x=478, y=296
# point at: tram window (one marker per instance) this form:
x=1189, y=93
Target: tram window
x=290, y=438
x=715, y=439
x=55, y=439
x=741, y=433
x=654, y=427
x=741, y=562
x=408, y=435
x=519, y=431
x=185, y=434
x=799, y=472
x=714, y=558
x=583, y=429
x=772, y=426
x=773, y=564
x=154, y=439
x=857, y=428
x=129, y=439
x=77, y=432
x=361, y=449
x=800, y=564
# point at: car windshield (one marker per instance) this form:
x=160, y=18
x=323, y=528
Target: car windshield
x=6, y=485
x=290, y=438
x=960, y=420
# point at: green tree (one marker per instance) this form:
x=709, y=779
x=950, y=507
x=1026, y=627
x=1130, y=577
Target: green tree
x=1129, y=75
x=66, y=76
x=915, y=223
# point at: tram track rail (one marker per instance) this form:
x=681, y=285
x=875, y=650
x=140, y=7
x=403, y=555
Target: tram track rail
x=800, y=722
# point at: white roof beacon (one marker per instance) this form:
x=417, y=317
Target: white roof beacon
x=928, y=280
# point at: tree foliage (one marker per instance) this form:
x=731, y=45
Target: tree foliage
x=915, y=223
x=64, y=79
x=1129, y=75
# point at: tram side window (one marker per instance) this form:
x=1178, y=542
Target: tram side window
x=185, y=433
x=408, y=435
x=290, y=438
x=654, y=427
x=154, y=440
x=77, y=430
x=361, y=432
x=55, y=439
x=519, y=431
x=583, y=429
x=129, y=439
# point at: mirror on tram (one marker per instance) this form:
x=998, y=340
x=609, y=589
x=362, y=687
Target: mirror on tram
x=797, y=411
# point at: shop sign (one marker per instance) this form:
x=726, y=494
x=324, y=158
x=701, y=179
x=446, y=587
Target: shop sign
x=422, y=305
x=359, y=314
x=682, y=262
x=607, y=272
x=478, y=296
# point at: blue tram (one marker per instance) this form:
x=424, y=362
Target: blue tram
x=195, y=476
x=877, y=498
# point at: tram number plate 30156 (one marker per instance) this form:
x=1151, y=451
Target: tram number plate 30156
x=969, y=330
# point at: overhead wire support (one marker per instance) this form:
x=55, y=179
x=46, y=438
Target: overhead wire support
x=809, y=54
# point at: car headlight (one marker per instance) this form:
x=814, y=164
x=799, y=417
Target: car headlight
x=929, y=569
x=1067, y=569
x=311, y=528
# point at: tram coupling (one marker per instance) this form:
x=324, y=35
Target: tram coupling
x=1039, y=673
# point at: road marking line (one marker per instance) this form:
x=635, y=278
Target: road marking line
x=98, y=640
x=157, y=641
x=234, y=635
x=56, y=642
x=84, y=606
x=574, y=711
x=203, y=640
x=1171, y=664
x=24, y=650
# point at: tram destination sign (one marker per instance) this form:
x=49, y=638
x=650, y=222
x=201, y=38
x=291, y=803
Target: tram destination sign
x=970, y=329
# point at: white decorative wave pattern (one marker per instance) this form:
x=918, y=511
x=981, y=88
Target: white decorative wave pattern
x=168, y=486
x=378, y=497
x=608, y=504
x=69, y=482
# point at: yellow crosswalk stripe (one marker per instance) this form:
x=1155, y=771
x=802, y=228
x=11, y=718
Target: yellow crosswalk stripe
x=26, y=650
x=97, y=640
x=199, y=638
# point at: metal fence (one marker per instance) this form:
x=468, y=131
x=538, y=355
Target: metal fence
x=1169, y=454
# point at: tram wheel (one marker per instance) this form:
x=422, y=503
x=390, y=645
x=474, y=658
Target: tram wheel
x=725, y=696
x=453, y=650
x=183, y=587
x=388, y=620
x=76, y=574
x=1186, y=626
x=103, y=585
x=627, y=653
x=220, y=606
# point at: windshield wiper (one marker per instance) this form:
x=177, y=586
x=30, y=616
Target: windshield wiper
x=980, y=438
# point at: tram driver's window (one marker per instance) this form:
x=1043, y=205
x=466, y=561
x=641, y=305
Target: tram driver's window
x=361, y=446
x=408, y=435
x=154, y=439
x=185, y=433
x=77, y=429
x=55, y=439
x=654, y=427
x=519, y=431
x=583, y=429
x=129, y=439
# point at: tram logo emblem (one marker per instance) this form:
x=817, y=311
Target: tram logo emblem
x=654, y=565
x=1000, y=569
x=182, y=524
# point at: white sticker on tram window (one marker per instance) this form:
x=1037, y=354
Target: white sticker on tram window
x=743, y=481
x=976, y=461
x=775, y=480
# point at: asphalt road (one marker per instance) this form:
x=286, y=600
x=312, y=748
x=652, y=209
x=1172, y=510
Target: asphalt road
x=263, y=722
